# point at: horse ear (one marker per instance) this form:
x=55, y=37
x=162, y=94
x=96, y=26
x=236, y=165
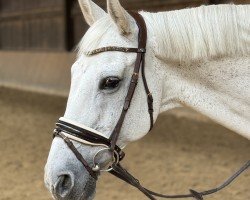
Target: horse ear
x=120, y=16
x=91, y=11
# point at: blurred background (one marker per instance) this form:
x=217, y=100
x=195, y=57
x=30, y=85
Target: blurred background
x=37, y=43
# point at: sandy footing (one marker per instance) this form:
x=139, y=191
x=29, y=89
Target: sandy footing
x=179, y=154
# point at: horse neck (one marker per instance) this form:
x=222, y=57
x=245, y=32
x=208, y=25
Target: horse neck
x=218, y=89
x=213, y=76
x=200, y=33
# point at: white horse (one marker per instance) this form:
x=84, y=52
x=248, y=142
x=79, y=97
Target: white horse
x=197, y=57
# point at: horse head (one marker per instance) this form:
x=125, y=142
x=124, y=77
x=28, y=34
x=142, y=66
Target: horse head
x=98, y=89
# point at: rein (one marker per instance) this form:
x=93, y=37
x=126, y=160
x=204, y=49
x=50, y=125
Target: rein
x=69, y=130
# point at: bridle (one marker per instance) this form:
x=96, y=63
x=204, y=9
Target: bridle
x=69, y=130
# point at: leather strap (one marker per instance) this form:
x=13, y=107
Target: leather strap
x=122, y=174
x=139, y=64
x=115, y=48
x=149, y=96
x=85, y=135
x=77, y=154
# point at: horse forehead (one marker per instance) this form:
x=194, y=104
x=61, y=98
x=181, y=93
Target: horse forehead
x=108, y=61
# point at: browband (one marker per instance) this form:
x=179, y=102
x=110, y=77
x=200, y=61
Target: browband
x=115, y=48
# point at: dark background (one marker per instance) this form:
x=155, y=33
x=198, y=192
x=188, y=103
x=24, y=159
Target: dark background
x=58, y=25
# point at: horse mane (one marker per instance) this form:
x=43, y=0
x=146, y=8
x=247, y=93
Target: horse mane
x=201, y=33
x=189, y=34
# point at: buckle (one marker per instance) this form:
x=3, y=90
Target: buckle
x=116, y=157
x=141, y=50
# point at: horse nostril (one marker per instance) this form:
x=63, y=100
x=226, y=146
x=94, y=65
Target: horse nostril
x=64, y=185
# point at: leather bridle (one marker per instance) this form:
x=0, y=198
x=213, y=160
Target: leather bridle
x=69, y=130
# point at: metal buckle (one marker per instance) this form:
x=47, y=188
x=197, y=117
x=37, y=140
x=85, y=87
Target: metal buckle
x=141, y=50
x=107, y=168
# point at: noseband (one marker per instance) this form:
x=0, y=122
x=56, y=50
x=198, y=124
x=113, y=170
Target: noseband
x=71, y=131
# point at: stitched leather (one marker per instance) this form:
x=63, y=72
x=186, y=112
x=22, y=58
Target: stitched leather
x=139, y=64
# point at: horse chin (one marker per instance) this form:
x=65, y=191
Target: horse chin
x=89, y=190
x=90, y=197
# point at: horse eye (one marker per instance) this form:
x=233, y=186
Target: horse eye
x=110, y=83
